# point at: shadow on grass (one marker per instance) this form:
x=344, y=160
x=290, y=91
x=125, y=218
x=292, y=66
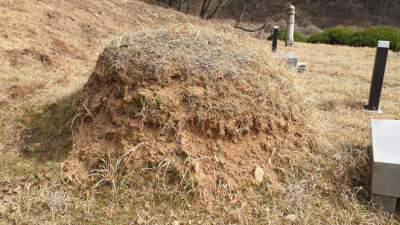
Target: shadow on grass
x=361, y=177
x=360, y=171
x=332, y=105
x=48, y=132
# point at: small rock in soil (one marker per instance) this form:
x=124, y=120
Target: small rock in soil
x=258, y=175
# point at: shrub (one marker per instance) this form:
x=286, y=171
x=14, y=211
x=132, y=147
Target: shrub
x=321, y=37
x=333, y=36
x=298, y=37
x=370, y=37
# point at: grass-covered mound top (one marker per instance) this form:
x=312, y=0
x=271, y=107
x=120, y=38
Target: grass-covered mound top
x=209, y=106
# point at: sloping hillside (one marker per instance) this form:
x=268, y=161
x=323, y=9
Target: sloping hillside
x=78, y=23
x=65, y=38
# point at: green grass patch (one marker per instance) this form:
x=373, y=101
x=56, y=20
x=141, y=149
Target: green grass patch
x=47, y=130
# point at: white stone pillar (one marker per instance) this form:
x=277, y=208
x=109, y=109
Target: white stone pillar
x=290, y=26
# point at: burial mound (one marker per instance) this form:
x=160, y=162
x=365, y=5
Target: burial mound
x=211, y=105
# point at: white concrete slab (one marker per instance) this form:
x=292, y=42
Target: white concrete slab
x=386, y=141
x=386, y=157
x=290, y=57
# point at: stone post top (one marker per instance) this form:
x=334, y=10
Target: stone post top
x=291, y=10
x=276, y=27
x=383, y=44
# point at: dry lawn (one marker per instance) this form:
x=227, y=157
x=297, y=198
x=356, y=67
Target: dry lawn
x=330, y=185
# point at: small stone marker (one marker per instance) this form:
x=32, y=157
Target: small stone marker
x=290, y=26
x=258, y=175
x=386, y=162
x=302, y=67
x=275, y=38
x=290, y=219
x=290, y=57
x=377, y=76
x=140, y=220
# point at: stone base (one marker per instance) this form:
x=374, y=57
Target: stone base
x=289, y=43
x=379, y=111
x=386, y=162
x=386, y=157
x=290, y=57
x=301, y=67
x=388, y=203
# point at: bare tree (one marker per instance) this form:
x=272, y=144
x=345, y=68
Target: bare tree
x=188, y=7
x=266, y=10
x=205, y=8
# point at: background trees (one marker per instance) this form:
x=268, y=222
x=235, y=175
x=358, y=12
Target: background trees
x=323, y=13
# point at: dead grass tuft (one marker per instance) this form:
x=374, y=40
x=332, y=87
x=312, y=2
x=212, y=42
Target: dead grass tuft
x=17, y=57
x=61, y=46
x=21, y=90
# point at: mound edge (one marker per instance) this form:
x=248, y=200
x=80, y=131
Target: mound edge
x=201, y=101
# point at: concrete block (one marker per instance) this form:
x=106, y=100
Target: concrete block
x=290, y=57
x=386, y=158
x=388, y=203
x=301, y=67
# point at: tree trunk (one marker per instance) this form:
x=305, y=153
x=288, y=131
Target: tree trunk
x=217, y=8
x=180, y=5
x=188, y=7
x=206, y=9
x=203, y=8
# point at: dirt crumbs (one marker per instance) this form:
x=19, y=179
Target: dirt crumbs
x=203, y=105
x=16, y=57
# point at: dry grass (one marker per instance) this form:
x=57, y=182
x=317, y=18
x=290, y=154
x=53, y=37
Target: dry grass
x=328, y=186
x=340, y=80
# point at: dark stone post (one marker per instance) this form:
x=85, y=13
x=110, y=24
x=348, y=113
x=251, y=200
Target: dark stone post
x=275, y=38
x=377, y=76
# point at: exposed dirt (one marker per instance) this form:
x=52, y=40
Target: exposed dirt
x=197, y=99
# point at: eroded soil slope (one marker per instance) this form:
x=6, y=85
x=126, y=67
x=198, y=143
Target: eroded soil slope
x=198, y=99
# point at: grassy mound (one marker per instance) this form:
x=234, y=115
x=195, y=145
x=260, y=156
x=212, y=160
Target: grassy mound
x=200, y=101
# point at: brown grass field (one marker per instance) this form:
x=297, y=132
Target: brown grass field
x=49, y=50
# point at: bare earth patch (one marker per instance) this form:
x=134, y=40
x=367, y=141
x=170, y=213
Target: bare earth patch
x=197, y=99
